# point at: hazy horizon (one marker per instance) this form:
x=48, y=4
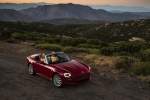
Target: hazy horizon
x=139, y=3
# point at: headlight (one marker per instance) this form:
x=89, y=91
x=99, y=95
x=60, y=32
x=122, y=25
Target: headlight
x=67, y=75
x=89, y=68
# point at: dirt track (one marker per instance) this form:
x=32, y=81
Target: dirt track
x=17, y=84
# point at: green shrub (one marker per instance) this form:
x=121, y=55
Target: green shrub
x=48, y=40
x=94, y=51
x=141, y=68
x=124, y=63
x=93, y=41
x=71, y=49
x=89, y=46
x=68, y=42
x=51, y=47
x=83, y=50
x=84, y=46
x=106, y=51
x=145, y=55
x=19, y=36
x=5, y=34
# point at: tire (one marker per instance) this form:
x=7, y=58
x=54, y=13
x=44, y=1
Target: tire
x=31, y=70
x=57, y=80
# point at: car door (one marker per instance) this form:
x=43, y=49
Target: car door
x=37, y=67
x=43, y=69
x=47, y=71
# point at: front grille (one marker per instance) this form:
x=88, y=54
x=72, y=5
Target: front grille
x=82, y=76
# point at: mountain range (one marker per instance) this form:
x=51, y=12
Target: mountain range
x=20, y=6
x=63, y=11
x=13, y=15
x=121, y=8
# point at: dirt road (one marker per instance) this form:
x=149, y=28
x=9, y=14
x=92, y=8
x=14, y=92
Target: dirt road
x=17, y=84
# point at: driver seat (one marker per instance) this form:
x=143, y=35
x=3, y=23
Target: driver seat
x=54, y=59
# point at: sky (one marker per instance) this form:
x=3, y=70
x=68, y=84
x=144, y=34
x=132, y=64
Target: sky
x=144, y=3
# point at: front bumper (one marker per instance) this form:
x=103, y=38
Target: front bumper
x=76, y=79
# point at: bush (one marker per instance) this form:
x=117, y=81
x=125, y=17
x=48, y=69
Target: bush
x=83, y=50
x=67, y=42
x=141, y=68
x=48, y=40
x=88, y=46
x=19, y=36
x=71, y=49
x=124, y=63
x=51, y=47
x=145, y=55
x=94, y=51
x=129, y=47
x=5, y=34
x=106, y=51
x=84, y=46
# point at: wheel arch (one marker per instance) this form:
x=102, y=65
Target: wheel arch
x=54, y=74
x=28, y=64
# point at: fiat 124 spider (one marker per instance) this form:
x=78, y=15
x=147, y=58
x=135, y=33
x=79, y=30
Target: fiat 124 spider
x=58, y=67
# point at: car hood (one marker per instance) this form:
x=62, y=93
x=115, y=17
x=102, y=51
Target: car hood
x=73, y=67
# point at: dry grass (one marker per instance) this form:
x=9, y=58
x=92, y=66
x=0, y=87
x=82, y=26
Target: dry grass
x=102, y=63
x=114, y=64
x=145, y=79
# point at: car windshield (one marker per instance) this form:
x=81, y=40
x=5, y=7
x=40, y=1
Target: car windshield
x=57, y=58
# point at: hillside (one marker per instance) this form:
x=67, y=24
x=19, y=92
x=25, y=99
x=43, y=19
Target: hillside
x=13, y=15
x=107, y=32
x=47, y=12
x=142, y=13
x=65, y=21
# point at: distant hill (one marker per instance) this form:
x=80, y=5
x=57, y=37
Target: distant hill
x=77, y=11
x=13, y=15
x=147, y=14
x=121, y=8
x=142, y=13
x=20, y=6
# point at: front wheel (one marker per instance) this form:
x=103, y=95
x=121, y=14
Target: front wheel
x=57, y=80
x=31, y=70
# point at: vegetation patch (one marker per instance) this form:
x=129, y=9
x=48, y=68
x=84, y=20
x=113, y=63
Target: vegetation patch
x=141, y=68
x=144, y=55
x=124, y=63
x=70, y=49
x=51, y=47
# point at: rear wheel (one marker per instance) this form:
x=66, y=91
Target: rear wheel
x=57, y=80
x=31, y=70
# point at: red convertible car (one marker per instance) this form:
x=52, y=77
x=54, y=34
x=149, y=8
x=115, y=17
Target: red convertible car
x=58, y=67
